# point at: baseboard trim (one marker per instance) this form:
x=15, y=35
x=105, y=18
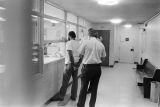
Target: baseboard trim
x=116, y=61
x=111, y=66
x=135, y=62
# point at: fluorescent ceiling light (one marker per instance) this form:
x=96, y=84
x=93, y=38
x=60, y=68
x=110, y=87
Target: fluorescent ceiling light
x=128, y=26
x=2, y=19
x=116, y=21
x=108, y=2
x=2, y=8
x=34, y=16
x=51, y=20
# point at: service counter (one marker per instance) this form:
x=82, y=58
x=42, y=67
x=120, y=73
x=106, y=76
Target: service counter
x=51, y=79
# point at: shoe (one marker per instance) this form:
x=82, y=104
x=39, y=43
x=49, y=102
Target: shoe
x=57, y=98
x=53, y=99
x=48, y=102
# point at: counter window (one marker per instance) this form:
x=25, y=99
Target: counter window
x=54, y=30
x=54, y=40
x=36, y=5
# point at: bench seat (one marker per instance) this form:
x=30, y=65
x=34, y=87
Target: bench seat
x=146, y=73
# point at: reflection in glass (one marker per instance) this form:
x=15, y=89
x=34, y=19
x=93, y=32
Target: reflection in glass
x=54, y=30
x=80, y=33
x=54, y=39
x=56, y=50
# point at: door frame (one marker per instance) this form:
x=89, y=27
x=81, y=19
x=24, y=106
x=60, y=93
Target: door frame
x=106, y=48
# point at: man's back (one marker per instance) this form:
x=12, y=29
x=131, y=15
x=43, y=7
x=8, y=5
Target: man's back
x=93, y=51
x=72, y=45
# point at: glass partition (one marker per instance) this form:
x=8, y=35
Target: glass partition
x=54, y=30
x=36, y=5
x=56, y=50
x=54, y=39
x=50, y=10
x=80, y=33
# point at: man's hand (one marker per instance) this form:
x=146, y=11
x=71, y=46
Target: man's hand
x=76, y=66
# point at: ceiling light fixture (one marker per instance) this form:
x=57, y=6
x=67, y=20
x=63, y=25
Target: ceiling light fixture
x=128, y=26
x=2, y=19
x=116, y=21
x=2, y=8
x=51, y=20
x=108, y=2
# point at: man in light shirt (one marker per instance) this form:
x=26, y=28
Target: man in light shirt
x=72, y=57
x=92, y=52
x=99, y=38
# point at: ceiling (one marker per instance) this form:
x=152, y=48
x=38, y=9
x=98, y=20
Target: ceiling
x=131, y=11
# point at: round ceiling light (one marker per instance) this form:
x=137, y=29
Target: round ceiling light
x=108, y=2
x=128, y=26
x=116, y=21
x=2, y=8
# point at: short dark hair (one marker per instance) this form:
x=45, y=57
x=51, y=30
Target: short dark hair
x=92, y=32
x=72, y=34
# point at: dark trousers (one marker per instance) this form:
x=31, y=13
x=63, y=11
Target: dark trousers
x=90, y=73
x=69, y=71
x=147, y=86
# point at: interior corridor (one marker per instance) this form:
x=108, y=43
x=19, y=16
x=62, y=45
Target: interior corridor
x=117, y=88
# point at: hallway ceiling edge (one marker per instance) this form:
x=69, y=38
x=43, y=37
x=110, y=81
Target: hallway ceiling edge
x=131, y=11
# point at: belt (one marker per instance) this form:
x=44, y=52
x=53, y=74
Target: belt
x=92, y=65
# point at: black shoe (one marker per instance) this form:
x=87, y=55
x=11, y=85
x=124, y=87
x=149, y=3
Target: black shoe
x=57, y=99
x=54, y=98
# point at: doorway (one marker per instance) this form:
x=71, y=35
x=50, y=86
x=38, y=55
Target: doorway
x=126, y=49
x=105, y=34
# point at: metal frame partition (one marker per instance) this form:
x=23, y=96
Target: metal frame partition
x=39, y=12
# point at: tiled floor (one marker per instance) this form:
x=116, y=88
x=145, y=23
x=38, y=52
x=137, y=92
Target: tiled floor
x=117, y=88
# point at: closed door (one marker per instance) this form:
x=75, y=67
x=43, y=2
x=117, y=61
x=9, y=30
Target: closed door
x=126, y=49
x=106, y=42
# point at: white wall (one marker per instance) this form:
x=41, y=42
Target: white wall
x=152, y=41
x=111, y=28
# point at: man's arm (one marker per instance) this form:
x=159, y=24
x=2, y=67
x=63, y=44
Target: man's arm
x=81, y=51
x=80, y=60
x=70, y=53
x=103, y=58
